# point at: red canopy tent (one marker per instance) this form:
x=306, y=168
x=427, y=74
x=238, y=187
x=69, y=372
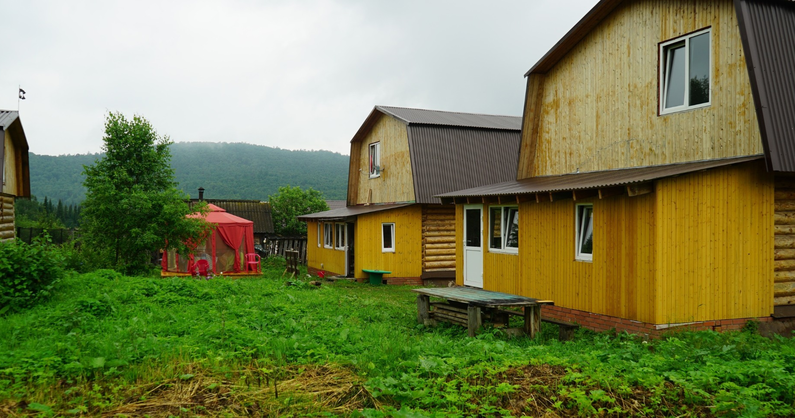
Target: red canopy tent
x=224, y=249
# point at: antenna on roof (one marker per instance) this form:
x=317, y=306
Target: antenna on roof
x=20, y=97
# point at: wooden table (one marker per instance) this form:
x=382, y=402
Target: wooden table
x=476, y=300
x=376, y=276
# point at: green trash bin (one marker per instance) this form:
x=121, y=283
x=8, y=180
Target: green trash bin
x=376, y=276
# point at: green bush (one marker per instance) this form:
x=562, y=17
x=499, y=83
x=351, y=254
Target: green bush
x=28, y=272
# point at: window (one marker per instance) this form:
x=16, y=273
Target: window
x=328, y=238
x=388, y=237
x=341, y=237
x=375, y=160
x=504, y=228
x=584, y=233
x=318, y=234
x=685, y=72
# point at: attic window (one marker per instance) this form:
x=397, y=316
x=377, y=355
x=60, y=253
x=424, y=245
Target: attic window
x=375, y=160
x=685, y=72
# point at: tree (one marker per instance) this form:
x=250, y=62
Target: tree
x=133, y=206
x=292, y=202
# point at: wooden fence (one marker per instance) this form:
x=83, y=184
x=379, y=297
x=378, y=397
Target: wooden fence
x=58, y=236
x=277, y=246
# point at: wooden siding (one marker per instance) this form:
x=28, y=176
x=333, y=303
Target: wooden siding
x=322, y=258
x=784, y=253
x=438, y=238
x=7, y=230
x=11, y=166
x=597, y=109
x=396, y=183
x=459, y=245
x=714, y=240
x=406, y=261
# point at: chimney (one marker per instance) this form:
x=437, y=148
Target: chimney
x=201, y=194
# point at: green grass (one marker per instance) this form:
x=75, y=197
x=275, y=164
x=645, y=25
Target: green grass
x=108, y=344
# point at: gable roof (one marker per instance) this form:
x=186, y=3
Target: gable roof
x=453, y=150
x=254, y=210
x=767, y=29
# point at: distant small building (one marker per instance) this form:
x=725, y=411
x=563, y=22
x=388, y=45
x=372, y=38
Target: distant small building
x=256, y=211
x=14, y=168
x=336, y=204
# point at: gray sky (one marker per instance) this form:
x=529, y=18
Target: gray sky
x=288, y=74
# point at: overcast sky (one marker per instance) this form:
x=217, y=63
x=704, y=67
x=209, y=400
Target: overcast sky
x=288, y=74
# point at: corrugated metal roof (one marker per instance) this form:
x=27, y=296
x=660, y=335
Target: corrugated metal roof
x=450, y=158
x=767, y=29
x=438, y=117
x=254, y=210
x=595, y=179
x=7, y=117
x=338, y=214
x=336, y=204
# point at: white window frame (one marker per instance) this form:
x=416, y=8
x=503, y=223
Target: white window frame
x=340, y=237
x=664, y=58
x=328, y=235
x=374, y=160
x=504, y=211
x=384, y=248
x=319, y=229
x=579, y=224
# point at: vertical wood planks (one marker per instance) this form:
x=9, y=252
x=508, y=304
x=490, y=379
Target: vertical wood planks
x=396, y=183
x=406, y=261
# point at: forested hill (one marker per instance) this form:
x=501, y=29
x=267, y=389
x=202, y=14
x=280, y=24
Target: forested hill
x=226, y=171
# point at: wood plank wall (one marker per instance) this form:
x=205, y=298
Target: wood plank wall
x=396, y=183
x=406, y=261
x=599, y=105
x=7, y=231
x=714, y=240
x=784, y=253
x=438, y=237
x=12, y=160
x=319, y=257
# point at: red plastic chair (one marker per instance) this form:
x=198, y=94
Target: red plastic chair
x=201, y=268
x=253, y=259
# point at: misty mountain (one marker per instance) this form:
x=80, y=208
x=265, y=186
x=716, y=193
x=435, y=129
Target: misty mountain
x=226, y=171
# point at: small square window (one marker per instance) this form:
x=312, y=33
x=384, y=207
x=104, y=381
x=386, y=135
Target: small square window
x=685, y=69
x=388, y=237
x=504, y=228
x=328, y=235
x=584, y=232
x=341, y=237
x=375, y=160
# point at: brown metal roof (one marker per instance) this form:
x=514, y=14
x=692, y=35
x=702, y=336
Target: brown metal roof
x=444, y=159
x=339, y=214
x=767, y=29
x=254, y=210
x=595, y=179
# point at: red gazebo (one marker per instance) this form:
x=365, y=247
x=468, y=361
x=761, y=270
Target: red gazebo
x=224, y=249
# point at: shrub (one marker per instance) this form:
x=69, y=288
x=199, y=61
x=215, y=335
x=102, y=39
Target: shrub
x=28, y=272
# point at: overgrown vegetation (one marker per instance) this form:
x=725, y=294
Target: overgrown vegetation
x=28, y=273
x=107, y=344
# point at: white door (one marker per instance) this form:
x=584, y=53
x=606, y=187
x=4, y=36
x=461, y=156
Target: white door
x=473, y=245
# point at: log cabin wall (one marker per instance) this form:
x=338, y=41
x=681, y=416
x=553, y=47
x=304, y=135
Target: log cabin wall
x=318, y=256
x=396, y=183
x=784, y=252
x=438, y=238
x=406, y=260
x=597, y=108
x=714, y=240
x=7, y=228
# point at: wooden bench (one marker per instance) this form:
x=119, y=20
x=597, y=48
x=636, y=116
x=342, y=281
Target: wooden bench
x=376, y=276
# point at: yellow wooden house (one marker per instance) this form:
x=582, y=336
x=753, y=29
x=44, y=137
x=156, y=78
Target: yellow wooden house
x=400, y=159
x=653, y=187
x=14, y=169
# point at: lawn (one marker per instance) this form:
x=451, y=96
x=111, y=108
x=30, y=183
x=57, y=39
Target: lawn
x=106, y=344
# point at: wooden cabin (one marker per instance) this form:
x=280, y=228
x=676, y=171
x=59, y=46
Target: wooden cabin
x=400, y=159
x=653, y=188
x=14, y=168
